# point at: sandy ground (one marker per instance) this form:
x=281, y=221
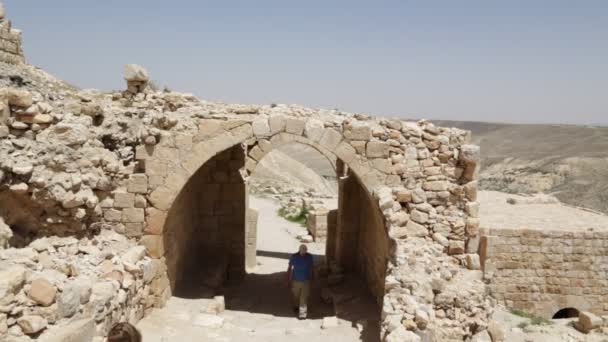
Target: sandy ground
x=495, y=212
x=259, y=309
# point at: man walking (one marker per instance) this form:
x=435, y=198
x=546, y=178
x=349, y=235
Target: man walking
x=299, y=275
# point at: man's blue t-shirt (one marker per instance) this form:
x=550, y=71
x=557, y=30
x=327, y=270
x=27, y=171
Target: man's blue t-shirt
x=302, y=266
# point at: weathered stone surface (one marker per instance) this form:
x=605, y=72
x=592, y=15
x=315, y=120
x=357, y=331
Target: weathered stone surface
x=82, y=330
x=42, y=292
x=154, y=245
x=402, y=335
x=124, y=200
x=587, y=322
x=377, y=149
x=134, y=72
x=11, y=280
x=138, y=183
x=294, y=126
x=133, y=215
x=261, y=127
x=69, y=300
x=32, y=324
x=496, y=332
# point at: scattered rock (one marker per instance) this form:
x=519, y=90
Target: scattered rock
x=42, y=292
x=32, y=324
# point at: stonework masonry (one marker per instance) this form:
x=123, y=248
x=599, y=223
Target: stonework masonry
x=544, y=271
x=11, y=50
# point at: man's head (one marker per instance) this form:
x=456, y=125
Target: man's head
x=303, y=249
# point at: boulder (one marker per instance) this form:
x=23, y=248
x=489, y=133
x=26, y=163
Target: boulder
x=69, y=300
x=31, y=324
x=134, y=72
x=11, y=280
x=587, y=322
x=19, y=98
x=42, y=292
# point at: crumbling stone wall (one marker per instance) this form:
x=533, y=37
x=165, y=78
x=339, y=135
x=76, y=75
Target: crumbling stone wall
x=542, y=272
x=11, y=50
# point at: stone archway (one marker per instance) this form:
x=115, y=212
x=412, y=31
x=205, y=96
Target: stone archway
x=418, y=176
x=206, y=224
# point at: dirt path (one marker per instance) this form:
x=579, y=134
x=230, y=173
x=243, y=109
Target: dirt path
x=258, y=309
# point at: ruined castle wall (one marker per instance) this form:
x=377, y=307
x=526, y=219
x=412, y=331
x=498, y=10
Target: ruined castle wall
x=372, y=246
x=205, y=225
x=541, y=272
x=11, y=50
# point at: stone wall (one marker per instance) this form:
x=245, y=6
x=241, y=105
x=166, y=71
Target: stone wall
x=316, y=222
x=11, y=50
x=205, y=227
x=542, y=272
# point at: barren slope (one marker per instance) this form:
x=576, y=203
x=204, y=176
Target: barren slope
x=570, y=162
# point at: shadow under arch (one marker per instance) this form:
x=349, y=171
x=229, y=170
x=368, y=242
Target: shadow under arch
x=204, y=232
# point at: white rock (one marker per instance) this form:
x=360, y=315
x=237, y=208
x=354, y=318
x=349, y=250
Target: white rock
x=134, y=72
x=69, y=300
x=31, y=324
x=11, y=280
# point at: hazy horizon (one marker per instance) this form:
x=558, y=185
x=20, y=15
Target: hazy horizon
x=516, y=62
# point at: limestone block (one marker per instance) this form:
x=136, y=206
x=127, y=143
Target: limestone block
x=360, y=131
x=265, y=145
x=359, y=146
x=209, y=128
x=261, y=127
x=402, y=335
x=442, y=240
x=133, y=215
x=134, y=72
x=42, y=292
x=415, y=229
x=124, y=200
x=470, y=191
x=381, y=164
x=419, y=216
x=19, y=97
x=314, y=129
x=69, y=300
x=155, y=221
x=154, y=245
x=403, y=196
x=330, y=139
x=587, y=322
x=294, y=126
x=138, y=183
x=143, y=152
x=456, y=247
x=277, y=123
x=256, y=153
x=473, y=262
x=472, y=227
x=435, y=186
x=32, y=324
x=377, y=149
x=162, y=198
x=112, y=215
x=134, y=229
x=11, y=281
x=156, y=167
x=472, y=209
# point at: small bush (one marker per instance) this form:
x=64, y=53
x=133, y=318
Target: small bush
x=299, y=219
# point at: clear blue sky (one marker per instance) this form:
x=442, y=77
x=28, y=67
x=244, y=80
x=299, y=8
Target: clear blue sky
x=510, y=61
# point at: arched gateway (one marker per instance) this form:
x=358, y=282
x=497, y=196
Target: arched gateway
x=406, y=192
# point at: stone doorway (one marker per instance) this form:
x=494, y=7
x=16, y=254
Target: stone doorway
x=210, y=238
